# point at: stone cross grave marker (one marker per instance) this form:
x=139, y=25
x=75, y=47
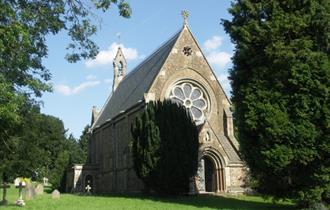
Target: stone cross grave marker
x=4, y=187
x=88, y=189
x=20, y=184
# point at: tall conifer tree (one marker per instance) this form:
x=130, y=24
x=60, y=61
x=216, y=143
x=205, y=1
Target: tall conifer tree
x=165, y=147
x=281, y=87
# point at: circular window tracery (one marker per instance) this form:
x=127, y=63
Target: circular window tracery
x=191, y=97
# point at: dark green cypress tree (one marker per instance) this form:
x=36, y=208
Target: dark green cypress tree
x=167, y=165
x=146, y=146
x=281, y=86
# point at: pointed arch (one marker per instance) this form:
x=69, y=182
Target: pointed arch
x=120, y=69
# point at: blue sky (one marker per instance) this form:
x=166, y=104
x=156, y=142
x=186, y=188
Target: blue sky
x=78, y=87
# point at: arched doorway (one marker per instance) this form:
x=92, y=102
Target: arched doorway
x=210, y=175
x=89, y=183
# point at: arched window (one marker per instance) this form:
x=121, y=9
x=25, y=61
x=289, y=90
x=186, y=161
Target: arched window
x=120, y=69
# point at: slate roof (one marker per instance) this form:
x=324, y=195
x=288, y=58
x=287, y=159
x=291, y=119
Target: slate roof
x=132, y=88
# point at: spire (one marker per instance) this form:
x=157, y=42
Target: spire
x=185, y=15
x=119, y=68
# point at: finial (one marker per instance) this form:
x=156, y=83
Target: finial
x=185, y=16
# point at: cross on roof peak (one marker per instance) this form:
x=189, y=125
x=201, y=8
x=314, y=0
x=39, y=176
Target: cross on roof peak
x=185, y=15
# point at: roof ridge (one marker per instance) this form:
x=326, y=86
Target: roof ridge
x=161, y=46
x=164, y=48
x=159, y=49
x=101, y=111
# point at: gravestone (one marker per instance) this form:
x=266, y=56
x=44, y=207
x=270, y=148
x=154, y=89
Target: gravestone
x=56, y=194
x=17, y=181
x=20, y=184
x=39, y=189
x=45, y=181
x=4, y=186
x=88, y=189
x=30, y=191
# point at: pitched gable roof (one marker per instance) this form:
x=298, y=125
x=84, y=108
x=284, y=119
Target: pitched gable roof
x=119, y=54
x=132, y=88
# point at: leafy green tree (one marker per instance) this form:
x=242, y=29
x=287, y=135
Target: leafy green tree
x=24, y=26
x=76, y=154
x=10, y=103
x=83, y=142
x=165, y=147
x=42, y=148
x=281, y=86
x=78, y=147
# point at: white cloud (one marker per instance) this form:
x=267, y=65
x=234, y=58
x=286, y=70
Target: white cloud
x=106, y=57
x=225, y=83
x=91, y=77
x=218, y=58
x=67, y=90
x=213, y=43
x=64, y=89
x=214, y=55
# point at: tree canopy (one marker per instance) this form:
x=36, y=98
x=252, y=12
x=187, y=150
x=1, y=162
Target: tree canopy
x=280, y=89
x=24, y=27
x=165, y=147
x=41, y=148
x=78, y=147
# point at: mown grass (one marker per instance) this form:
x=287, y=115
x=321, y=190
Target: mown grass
x=142, y=202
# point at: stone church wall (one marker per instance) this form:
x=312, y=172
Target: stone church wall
x=112, y=153
x=237, y=184
x=110, y=144
x=215, y=132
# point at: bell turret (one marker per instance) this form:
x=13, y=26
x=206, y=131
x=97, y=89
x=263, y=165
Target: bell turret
x=119, y=68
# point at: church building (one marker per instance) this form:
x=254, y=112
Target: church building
x=177, y=70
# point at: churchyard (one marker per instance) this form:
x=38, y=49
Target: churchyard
x=53, y=201
x=168, y=123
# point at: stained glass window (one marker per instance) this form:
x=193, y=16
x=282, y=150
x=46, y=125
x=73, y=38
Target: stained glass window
x=192, y=98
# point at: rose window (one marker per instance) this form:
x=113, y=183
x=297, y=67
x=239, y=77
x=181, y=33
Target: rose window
x=192, y=98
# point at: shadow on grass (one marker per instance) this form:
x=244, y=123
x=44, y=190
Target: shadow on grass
x=209, y=201
x=10, y=205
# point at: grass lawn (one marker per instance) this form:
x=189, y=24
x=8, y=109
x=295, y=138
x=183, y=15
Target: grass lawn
x=136, y=202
